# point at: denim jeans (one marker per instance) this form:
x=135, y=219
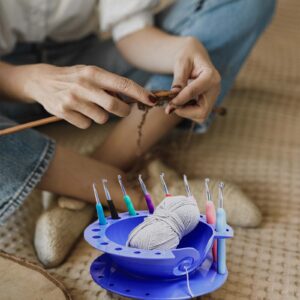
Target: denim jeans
x=227, y=28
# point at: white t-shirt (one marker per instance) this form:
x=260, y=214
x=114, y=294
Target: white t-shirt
x=65, y=20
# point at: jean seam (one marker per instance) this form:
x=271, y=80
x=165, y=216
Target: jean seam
x=31, y=181
x=200, y=5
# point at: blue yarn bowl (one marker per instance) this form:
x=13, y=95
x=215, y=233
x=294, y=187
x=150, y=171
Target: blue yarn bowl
x=192, y=250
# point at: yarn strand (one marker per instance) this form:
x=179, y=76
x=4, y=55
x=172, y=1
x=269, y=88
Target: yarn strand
x=188, y=282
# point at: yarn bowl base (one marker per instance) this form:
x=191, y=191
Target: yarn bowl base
x=173, y=264
x=203, y=280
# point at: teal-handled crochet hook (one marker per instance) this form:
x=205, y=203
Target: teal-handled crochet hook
x=99, y=208
x=221, y=227
x=126, y=198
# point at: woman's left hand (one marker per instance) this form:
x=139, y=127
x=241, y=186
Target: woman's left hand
x=196, y=78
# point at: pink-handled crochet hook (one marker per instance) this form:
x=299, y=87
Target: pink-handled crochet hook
x=164, y=185
x=210, y=212
x=147, y=196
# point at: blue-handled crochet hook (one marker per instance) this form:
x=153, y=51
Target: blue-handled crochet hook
x=221, y=227
x=126, y=198
x=111, y=206
x=210, y=212
x=99, y=208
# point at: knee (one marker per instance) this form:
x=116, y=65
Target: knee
x=261, y=12
x=267, y=9
x=238, y=18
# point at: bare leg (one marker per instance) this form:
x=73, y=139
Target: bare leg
x=71, y=174
x=120, y=147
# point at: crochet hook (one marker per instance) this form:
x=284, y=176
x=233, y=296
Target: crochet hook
x=147, y=196
x=187, y=186
x=126, y=198
x=111, y=206
x=210, y=213
x=221, y=227
x=164, y=185
x=99, y=208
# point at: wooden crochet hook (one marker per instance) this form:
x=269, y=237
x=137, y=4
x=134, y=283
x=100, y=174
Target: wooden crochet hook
x=28, y=125
x=162, y=97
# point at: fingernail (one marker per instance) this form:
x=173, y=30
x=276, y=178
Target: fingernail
x=173, y=105
x=152, y=98
x=176, y=86
x=172, y=109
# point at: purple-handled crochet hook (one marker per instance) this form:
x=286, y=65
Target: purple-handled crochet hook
x=147, y=195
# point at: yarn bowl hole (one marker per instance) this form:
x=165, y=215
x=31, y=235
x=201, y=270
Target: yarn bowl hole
x=192, y=250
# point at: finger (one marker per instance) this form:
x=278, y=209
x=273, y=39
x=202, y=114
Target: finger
x=119, y=84
x=201, y=110
x=77, y=119
x=92, y=111
x=112, y=104
x=182, y=72
x=89, y=93
x=195, y=88
x=195, y=113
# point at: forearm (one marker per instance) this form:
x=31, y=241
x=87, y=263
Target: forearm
x=151, y=49
x=12, y=82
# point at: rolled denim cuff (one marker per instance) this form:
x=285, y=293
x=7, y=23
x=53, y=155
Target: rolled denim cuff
x=25, y=158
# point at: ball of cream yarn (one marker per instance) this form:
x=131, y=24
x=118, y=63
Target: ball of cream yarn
x=173, y=218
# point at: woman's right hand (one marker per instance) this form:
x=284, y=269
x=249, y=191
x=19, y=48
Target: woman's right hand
x=81, y=94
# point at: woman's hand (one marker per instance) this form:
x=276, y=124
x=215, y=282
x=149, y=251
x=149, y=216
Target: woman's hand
x=80, y=94
x=186, y=58
x=195, y=78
